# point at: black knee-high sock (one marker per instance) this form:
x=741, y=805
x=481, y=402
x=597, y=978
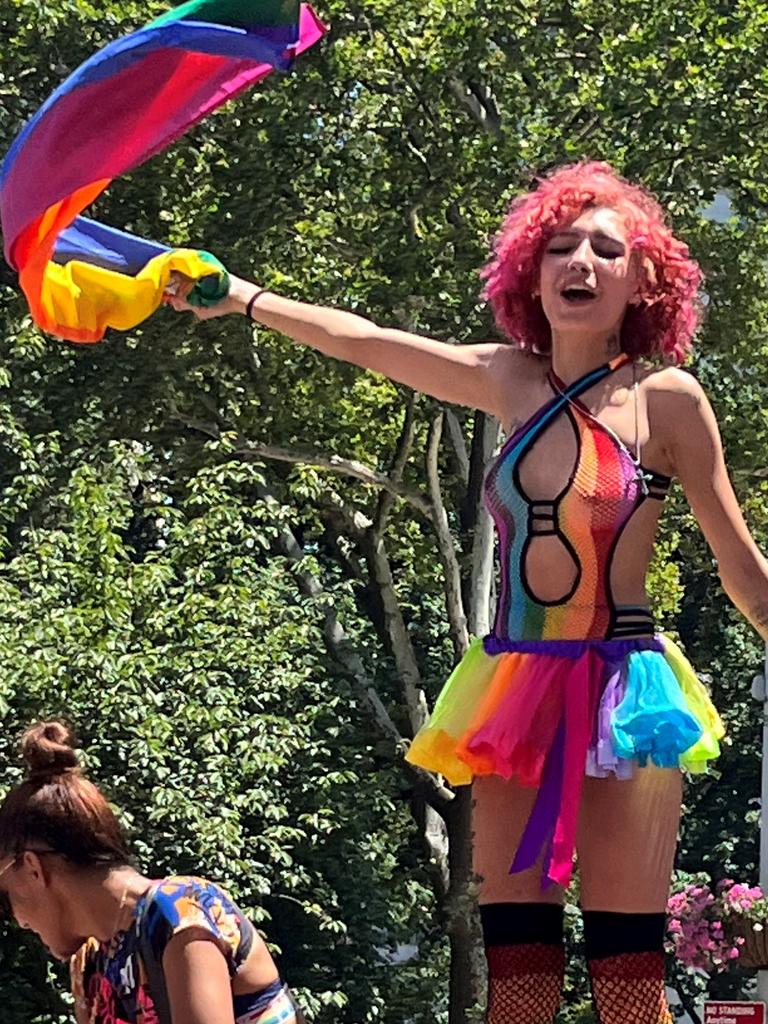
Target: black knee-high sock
x=625, y=955
x=526, y=961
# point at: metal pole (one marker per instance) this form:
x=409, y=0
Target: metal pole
x=760, y=692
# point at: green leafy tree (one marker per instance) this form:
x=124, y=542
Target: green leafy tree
x=243, y=571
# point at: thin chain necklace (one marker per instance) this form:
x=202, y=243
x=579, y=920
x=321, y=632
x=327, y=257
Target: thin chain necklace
x=112, y=949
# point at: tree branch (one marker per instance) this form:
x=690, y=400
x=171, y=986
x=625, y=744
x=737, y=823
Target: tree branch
x=458, y=443
x=482, y=542
x=345, y=654
x=389, y=615
x=332, y=463
x=399, y=637
x=478, y=101
x=207, y=427
x=333, y=631
x=346, y=528
x=452, y=573
x=434, y=834
x=435, y=792
x=353, y=522
x=421, y=98
x=336, y=464
x=404, y=445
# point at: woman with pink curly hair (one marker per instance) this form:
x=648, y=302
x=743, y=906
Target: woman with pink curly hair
x=573, y=717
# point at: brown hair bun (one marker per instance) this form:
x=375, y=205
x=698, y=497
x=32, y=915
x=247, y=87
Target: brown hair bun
x=56, y=809
x=49, y=750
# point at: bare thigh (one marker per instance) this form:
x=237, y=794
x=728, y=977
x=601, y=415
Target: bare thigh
x=500, y=814
x=627, y=839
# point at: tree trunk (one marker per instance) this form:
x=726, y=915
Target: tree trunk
x=467, y=978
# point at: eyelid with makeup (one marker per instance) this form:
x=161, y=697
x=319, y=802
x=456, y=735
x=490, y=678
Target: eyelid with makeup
x=605, y=247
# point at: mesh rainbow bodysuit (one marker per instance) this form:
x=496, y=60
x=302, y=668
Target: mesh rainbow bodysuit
x=569, y=680
x=586, y=518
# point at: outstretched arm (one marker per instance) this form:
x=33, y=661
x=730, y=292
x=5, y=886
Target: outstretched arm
x=483, y=376
x=696, y=452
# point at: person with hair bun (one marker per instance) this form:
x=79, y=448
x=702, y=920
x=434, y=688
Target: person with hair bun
x=574, y=718
x=173, y=951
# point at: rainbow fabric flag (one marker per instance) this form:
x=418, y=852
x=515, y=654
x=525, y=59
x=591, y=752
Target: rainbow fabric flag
x=126, y=103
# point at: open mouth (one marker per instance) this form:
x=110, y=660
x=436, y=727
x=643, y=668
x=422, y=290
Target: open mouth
x=578, y=296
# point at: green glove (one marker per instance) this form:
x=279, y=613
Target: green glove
x=212, y=288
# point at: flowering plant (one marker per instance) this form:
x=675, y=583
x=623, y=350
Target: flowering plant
x=704, y=925
x=744, y=901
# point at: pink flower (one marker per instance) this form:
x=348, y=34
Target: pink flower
x=696, y=933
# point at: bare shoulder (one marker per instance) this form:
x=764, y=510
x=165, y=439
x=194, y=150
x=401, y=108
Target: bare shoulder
x=515, y=380
x=672, y=396
x=509, y=363
x=679, y=415
x=670, y=383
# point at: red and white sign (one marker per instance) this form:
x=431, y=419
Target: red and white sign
x=734, y=1013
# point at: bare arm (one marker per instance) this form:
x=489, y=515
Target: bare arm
x=696, y=452
x=483, y=376
x=197, y=979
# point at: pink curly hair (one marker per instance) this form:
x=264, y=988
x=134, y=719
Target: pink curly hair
x=664, y=322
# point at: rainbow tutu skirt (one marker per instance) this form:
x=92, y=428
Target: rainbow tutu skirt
x=547, y=712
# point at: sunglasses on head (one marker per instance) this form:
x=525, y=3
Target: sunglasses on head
x=5, y=903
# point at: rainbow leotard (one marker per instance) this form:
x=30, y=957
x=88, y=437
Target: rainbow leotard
x=574, y=681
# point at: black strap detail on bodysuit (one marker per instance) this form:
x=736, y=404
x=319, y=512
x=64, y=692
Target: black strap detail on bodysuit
x=657, y=484
x=631, y=621
x=542, y=518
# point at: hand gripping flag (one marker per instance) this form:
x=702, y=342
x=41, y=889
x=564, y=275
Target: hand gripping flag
x=129, y=101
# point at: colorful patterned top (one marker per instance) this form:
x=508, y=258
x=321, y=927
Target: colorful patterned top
x=587, y=515
x=122, y=982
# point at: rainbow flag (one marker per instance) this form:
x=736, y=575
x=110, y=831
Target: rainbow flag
x=126, y=103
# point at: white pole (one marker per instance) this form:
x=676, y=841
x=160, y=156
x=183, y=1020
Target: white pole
x=760, y=692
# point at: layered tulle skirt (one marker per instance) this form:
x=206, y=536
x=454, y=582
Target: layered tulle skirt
x=548, y=712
